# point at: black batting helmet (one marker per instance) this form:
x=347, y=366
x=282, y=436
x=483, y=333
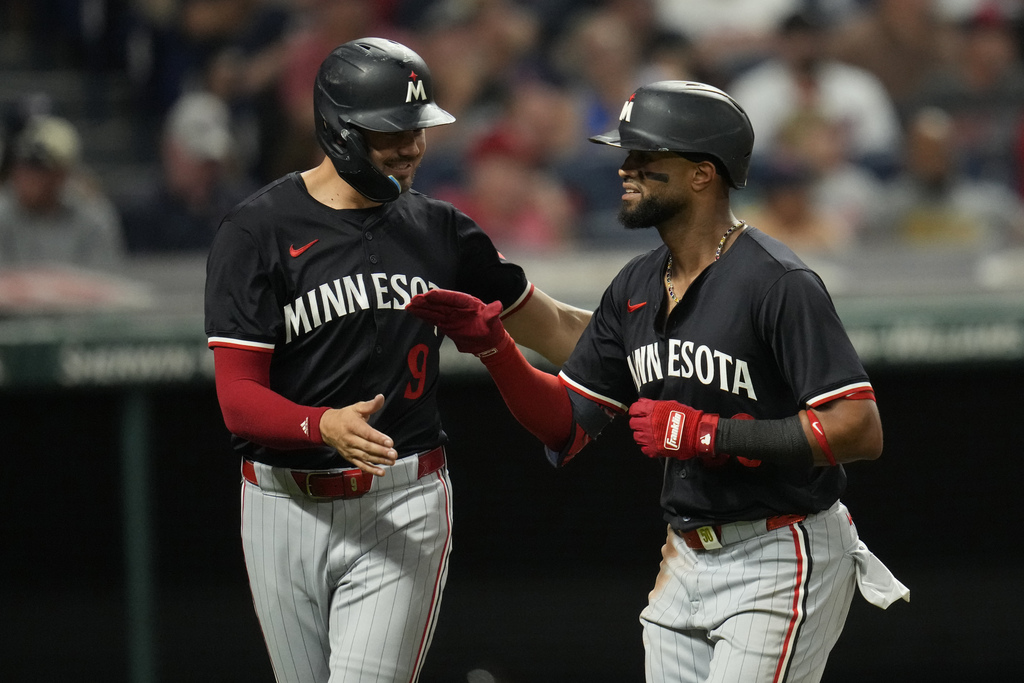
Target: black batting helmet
x=378, y=85
x=686, y=117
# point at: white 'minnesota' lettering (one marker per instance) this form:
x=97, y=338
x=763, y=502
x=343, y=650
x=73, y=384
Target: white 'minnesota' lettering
x=723, y=372
x=332, y=299
x=645, y=364
x=420, y=286
x=653, y=362
x=632, y=370
x=687, y=359
x=356, y=294
x=398, y=286
x=295, y=320
x=381, y=289
x=672, y=367
x=348, y=294
x=742, y=380
x=705, y=368
x=314, y=308
x=684, y=359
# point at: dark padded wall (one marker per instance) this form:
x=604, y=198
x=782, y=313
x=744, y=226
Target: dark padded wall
x=550, y=568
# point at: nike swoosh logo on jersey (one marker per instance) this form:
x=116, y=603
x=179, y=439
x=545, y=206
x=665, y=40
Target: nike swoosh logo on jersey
x=632, y=307
x=298, y=252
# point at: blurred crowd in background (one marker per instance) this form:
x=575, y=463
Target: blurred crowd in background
x=131, y=126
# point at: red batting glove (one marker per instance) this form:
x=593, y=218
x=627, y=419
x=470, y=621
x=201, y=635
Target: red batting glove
x=475, y=327
x=672, y=430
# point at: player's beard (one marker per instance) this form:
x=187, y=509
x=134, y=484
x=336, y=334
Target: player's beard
x=405, y=179
x=648, y=212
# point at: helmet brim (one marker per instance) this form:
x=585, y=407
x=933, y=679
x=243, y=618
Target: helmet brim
x=396, y=120
x=612, y=138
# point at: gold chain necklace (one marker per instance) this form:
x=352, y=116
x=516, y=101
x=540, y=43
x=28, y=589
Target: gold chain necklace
x=718, y=254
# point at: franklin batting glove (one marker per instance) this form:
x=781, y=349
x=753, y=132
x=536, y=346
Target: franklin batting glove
x=672, y=430
x=475, y=327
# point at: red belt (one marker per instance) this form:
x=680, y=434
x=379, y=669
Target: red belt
x=347, y=483
x=710, y=537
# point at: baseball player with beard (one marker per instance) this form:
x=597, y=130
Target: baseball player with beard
x=330, y=388
x=727, y=354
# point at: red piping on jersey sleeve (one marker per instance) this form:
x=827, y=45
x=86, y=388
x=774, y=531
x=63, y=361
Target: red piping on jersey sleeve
x=518, y=304
x=867, y=395
x=256, y=413
x=535, y=398
x=858, y=391
x=607, y=403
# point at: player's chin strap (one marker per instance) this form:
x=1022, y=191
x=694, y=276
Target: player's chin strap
x=350, y=155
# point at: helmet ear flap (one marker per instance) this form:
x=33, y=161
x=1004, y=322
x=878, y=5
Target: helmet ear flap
x=334, y=142
x=346, y=147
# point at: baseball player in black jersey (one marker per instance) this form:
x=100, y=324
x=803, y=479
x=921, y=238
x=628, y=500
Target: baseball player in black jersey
x=728, y=356
x=329, y=387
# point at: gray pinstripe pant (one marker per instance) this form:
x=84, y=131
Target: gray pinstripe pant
x=348, y=589
x=765, y=608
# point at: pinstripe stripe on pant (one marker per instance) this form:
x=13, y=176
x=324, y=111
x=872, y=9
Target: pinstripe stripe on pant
x=766, y=608
x=348, y=589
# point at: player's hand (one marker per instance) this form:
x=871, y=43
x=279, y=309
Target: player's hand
x=672, y=430
x=475, y=327
x=348, y=431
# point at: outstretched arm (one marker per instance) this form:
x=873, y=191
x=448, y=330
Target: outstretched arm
x=549, y=327
x=537, y=399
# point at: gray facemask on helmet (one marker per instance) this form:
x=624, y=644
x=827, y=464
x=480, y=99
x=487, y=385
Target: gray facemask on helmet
x=373, y=84
x=686, y=117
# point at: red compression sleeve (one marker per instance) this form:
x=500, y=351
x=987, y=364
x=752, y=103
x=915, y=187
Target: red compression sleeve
x=535, y=398
x=255, y=412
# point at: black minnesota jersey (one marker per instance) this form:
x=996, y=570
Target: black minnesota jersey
x=756, y=334
x=326, y=288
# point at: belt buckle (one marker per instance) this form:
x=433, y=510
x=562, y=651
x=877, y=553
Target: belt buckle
x=353, y=484
x=309, y=485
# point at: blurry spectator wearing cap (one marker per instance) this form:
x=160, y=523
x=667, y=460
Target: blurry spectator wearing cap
x=513, y=200
x=803, y=78
x=933, y=204
x=51, y=212
x=199, y=183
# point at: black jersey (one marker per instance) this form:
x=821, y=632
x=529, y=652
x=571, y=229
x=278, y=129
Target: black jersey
x=324, y=290
x=756, y=334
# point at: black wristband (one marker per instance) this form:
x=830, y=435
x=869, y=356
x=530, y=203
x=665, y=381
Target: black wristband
x=781, y=442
